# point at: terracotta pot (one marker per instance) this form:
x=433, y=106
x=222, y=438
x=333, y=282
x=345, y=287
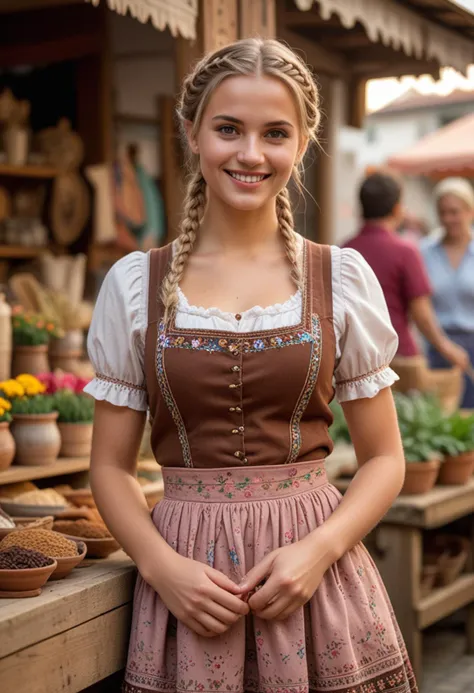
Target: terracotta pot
x=73, y=340
x=7, y=445
x=30, y=359
x=420, y=477
x=37, y=438
x=457, y=470
x=26, y=579
x=76, y=439
x=66, y=564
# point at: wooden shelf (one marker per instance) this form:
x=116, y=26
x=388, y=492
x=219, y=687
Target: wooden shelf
x=443, y=601
x=136, y=119
x=62, y=466
x=30, y=171
x=14, y=252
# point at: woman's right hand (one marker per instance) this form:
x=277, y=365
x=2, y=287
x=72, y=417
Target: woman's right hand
x=202, y=598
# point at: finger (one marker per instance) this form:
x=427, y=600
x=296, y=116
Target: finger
x=273, y=610
x=286, y=613
x=264, y=596
x=228, y=601
x=223, y=615
x=195, y=626
x=223, y=581
x=211, y=624
x=256, y=574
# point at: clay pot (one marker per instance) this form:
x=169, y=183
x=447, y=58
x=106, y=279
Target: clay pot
x=98, y=548
x=30, y=359
x=7, y=445
x=66, y=564
x=420, y=477
x=76, y=439
x=25, y=579
x=37, y=438
x=457, y=470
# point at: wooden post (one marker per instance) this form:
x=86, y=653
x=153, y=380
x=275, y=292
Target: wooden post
x=257, y=18
x=325, y=164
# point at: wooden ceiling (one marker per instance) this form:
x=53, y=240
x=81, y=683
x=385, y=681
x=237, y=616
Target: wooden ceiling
x=350, y=51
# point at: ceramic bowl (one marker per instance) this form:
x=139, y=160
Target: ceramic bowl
x=98, y=548
x=25, y=579
x=67, y=564
x=25, y=510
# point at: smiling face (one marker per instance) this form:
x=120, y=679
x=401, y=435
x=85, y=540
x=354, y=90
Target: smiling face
x=248, y=141
x=455, y=216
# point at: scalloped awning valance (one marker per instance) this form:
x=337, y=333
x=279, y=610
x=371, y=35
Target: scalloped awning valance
x=400, y=28
x=179, y=16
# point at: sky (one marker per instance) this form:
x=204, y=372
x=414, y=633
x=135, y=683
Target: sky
x=382, y=91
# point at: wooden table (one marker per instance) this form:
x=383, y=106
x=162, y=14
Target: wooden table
x=71, y=636
x=396, y=545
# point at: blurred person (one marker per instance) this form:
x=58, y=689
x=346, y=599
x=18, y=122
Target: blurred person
x=449, y=259
x=399, y=267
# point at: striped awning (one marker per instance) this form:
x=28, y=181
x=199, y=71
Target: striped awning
x=180, y=16
x=393, y=25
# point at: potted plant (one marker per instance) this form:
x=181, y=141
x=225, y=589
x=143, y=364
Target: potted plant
x=456, y=444
x=34, y=426
x=75, y=416
x=31, y=335
x=7, y=442
x=419, y=416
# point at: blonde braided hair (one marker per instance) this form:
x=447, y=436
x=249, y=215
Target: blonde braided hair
x=246, y=57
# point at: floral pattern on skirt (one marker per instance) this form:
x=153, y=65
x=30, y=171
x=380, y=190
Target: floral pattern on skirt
x=344, y=640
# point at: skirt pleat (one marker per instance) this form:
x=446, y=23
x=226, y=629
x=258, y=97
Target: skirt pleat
x=344, y=640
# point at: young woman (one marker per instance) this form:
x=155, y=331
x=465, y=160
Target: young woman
x=252, y=574
x=449, y=259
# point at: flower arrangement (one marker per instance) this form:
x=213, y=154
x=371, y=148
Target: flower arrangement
x=73, y=407
x=57, y=381
x=5, y=408
x=26, y=395
x=31, y=329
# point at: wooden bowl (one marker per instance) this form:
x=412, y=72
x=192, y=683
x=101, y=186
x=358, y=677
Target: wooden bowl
x=98, y=548
x=30, y=522
x=67, y=564
x=25, y=579
x=26, y=510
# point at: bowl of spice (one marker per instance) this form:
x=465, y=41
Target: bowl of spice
x=34, y=503
x=66, y=552
x=23, y=572
x=100, y=543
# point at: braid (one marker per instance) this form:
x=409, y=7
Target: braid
x=193, y=210
x=285, y=219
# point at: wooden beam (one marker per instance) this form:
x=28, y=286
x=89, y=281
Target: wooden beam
x=310, y=18
x=320, y=59
x=9, y=6
x=400, y=69
x=53, y=51
x=257, y=18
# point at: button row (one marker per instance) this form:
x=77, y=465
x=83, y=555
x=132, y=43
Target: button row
x=236, y=409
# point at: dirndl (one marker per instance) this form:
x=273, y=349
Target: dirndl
x=344, y=640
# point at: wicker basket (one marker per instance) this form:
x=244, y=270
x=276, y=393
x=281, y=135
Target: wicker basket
x=414, y=374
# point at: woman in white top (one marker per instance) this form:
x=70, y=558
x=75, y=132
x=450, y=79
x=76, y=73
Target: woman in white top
x=252, y=572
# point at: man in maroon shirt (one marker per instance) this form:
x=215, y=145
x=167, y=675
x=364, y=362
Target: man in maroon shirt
x=399, y=267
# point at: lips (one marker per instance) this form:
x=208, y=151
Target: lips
x=247, y=177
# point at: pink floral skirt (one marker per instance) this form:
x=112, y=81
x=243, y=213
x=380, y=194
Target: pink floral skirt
x=344, y=640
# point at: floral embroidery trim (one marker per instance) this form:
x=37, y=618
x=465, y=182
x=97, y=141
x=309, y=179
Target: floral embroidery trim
x=120, y=383
x=244, y=487
x=313, y=372
x=235, y=346
x=170, y=401
x=365, y=376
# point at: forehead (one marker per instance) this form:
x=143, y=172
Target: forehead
x=253, y=99
x=450, y=200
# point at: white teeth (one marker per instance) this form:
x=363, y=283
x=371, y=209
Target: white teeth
x=246, y=179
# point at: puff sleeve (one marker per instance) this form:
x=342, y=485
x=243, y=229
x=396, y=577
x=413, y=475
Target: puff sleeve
x=116, y=338
x=365, y=339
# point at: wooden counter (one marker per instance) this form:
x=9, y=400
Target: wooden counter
x=71, y=636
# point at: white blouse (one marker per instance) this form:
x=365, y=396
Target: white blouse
x=365, y=339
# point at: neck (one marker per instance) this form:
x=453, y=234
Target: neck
x=226, y=229
x=387, y=223
x=461, y=240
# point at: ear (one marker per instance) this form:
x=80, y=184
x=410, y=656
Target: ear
x=302, y=150
x=192, y=142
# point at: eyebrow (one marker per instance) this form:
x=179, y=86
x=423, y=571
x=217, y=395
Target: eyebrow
x=231, y=119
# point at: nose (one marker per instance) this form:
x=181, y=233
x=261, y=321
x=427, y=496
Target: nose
x=250, y=153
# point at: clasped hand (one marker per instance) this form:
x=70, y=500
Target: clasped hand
x=209, y=603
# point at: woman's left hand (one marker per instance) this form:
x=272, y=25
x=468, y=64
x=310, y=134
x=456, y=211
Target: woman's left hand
x=292, y=574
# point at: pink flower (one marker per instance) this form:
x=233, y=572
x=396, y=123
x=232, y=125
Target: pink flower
x=292, y=472
x=296, y=484
x=260, y=642
x=256, y=479
x=80, y=384
x=228, y=487
x=248, y=494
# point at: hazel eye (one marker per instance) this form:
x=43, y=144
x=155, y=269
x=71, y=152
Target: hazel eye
x=276, y=134
x=227, y=130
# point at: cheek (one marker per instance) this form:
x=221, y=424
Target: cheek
x=282, y=159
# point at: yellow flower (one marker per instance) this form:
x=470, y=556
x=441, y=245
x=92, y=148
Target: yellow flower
x=12, y=388
x=2, y=411
x=5, y=405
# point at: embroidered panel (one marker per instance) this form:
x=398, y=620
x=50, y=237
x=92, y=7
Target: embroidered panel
x=234, y=345
x=169, y=399
x=120, y=383
x=313, y=372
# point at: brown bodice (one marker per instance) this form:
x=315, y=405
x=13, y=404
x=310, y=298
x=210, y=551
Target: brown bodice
x=224, y=399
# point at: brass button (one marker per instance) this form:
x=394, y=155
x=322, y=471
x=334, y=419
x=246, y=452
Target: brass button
x=238, y=409
x=234, y=385
x=241, y=429
x=235, y=430
x=238, y=316
x=245, y=460
x=232, y=409
x=238, y=454
x=236, y=369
